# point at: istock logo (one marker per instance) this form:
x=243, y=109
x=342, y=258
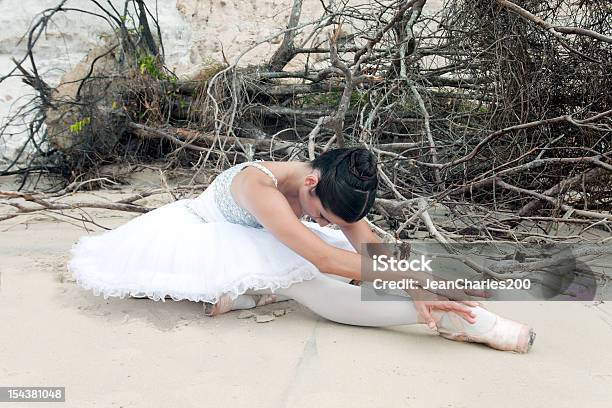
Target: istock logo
x=384, y=263
x=505, y=270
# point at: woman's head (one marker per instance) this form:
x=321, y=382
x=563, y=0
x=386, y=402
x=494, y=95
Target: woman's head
x=343, y=185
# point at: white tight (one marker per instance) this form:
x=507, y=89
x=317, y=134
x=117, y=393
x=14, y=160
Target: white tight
x=335, y=299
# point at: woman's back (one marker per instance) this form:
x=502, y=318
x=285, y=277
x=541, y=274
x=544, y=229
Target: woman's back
x=216, y=203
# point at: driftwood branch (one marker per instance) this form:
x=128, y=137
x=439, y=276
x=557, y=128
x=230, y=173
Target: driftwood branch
x=286, y=50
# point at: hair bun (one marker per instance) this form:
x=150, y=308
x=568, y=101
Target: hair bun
x=348, y=181
x=362, y=164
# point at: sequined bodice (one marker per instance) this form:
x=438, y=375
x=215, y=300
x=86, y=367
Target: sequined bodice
x=224, y=200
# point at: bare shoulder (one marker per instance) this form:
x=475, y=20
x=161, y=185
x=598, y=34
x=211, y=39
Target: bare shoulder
x=250, y=182
x=255, y=191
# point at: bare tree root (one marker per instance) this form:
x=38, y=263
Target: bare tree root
x=491, y=120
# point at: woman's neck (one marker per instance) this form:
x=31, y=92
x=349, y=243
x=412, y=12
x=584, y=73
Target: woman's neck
x=292, y=178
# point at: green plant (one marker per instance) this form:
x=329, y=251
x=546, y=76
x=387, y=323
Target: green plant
x=327, y=98
x=483, y=109
x=146, y=63
x=333, y=98
x=79, y=125
x=357, y=97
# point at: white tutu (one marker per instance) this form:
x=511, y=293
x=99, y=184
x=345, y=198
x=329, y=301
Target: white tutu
x=175, y=251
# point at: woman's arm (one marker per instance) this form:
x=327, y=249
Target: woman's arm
x=271, y=209
x=359, y=233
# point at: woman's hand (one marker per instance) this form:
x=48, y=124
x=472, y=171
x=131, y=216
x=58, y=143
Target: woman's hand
x=425, y=302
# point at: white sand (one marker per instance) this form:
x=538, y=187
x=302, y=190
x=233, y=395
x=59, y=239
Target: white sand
x=140, y=353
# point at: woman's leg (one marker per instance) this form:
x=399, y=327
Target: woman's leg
x=333, y=298
x=256, y=293
x=337, y=300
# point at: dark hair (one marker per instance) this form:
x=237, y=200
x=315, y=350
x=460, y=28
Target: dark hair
x=348, y=182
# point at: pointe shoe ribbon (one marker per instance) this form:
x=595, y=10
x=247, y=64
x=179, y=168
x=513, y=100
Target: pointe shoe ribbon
x=490, y=329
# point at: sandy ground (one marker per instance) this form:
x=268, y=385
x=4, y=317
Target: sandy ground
x=140, y=353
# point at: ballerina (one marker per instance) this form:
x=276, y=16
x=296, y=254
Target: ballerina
x=243, y=242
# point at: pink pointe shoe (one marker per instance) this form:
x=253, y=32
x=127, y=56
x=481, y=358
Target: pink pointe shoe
x=490, y=329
